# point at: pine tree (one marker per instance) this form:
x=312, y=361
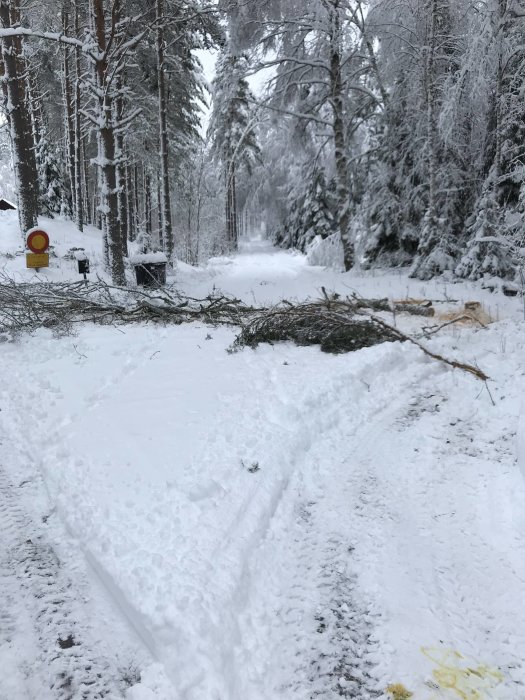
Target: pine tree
x=488, y=250
x=16, y=109
x=310, y=206
x=232, y=131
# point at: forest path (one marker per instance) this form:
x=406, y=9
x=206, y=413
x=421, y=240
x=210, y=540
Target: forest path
x=61, y=636
x=397, y=552
x=46, y=631
x=276, y=523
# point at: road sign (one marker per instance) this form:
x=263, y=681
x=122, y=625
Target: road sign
x=37, y=260
x=37, y=241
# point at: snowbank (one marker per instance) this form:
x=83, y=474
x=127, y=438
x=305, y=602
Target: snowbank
x=326, y=252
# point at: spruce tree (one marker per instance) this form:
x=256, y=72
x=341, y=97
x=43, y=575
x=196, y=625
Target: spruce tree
x=232, y=131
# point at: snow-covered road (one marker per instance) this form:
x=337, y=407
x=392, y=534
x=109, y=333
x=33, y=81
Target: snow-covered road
x=269, y=524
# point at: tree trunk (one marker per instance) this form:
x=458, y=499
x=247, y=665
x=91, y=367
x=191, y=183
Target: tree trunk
x=79, y=200
x=341, y=160
x=166, y=232
x=90, y=219
x=235, y=217
x=229, y=207
x=19, y=120
x=147, y=204
x=121, y=175
x=136, y=201
x=130, y=209
x=430, y=235
x=68, y=112
x=107, y=155
x=432, y=125
x=159, y=213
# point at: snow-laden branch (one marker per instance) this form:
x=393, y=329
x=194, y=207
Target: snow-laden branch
x=60, y=37
x=291, y=113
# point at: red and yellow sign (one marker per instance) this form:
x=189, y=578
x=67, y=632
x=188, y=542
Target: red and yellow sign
x=37, y=260
x=38, y=241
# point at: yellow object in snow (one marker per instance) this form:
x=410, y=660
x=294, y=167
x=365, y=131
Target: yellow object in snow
x=399, y=692
x=461, y=674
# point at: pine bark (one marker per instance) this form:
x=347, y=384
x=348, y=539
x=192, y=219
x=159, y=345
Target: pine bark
x=121, y=174
x=147, y=203
x=19, y=119
x=340, y=152
x=107, y=154
x=430, y=236
x=86, y=193
x=432, y=137
x=78, y=145
x=166, y=229
x=68, y=111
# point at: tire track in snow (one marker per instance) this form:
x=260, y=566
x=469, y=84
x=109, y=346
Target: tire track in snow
x=58, y=628
x=305, y=581
x=390, y=549
x=70, y=662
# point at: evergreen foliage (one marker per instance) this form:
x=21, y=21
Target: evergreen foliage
x=399, y=128
x=232, y=131
x=309, y=205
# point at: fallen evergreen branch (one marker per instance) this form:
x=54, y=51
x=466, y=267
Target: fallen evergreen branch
x=335, y=324
x=331, y=323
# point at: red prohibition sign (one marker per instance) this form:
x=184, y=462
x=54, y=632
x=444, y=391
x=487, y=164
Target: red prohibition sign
x=38, y=241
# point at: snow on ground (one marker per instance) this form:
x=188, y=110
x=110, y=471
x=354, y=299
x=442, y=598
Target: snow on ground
x=259, y=274
x=269, y=524
x=64, y=240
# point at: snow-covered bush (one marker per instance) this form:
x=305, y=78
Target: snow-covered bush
x=488, y=251
x=326, y=252
x=486, y=256
x=436, y=253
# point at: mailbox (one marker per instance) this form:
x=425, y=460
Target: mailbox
x=83, y=266
x=150, y=269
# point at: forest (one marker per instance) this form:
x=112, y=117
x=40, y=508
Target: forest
x=382, y=132
x=262, y=408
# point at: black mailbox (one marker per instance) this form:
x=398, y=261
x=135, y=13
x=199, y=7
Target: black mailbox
x=151, y=274
x=83, y=266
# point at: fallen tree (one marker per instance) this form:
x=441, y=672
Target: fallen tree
x=60, y=305
x=335, y=324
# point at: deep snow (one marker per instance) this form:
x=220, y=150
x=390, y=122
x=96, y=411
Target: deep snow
x=266, y=524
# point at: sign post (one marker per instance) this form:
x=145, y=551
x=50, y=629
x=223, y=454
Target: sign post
x=38, y=243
